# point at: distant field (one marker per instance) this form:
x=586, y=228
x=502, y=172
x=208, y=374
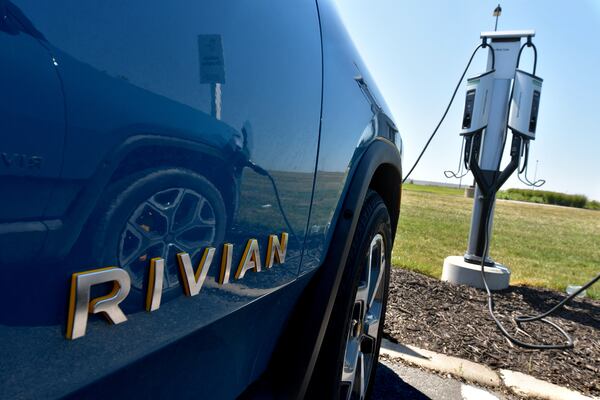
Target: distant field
x=547, y=246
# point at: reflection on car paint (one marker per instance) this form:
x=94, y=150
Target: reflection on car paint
x=130, y=118
x=136, y=131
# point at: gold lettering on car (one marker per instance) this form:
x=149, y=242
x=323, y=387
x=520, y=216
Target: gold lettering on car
x=276, y=250
x=192, y=282
x=80, y=304
x=155, y=284
x=226, y=263
x=250, y=259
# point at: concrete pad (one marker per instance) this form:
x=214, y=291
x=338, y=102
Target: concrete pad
x=441, y=363
x=528, y=386
x=456, y=270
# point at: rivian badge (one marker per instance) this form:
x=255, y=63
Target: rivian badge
x=81, y=304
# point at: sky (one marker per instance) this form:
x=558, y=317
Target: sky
x=417, y=49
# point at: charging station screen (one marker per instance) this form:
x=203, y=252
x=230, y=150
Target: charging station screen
x=535, y=105
x=469, y=102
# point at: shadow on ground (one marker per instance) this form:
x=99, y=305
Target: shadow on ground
x=388, y=385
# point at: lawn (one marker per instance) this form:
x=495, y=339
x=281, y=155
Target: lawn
x=546, y=246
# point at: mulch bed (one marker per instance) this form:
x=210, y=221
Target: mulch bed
x=454, y=320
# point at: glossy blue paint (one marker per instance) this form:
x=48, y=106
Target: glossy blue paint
x=107, y=103
x=32, y=126
x=350, y=123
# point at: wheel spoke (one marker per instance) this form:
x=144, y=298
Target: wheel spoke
x=211, y=218
x=362, y=388
x=166, y=207
x=141, y=232
x=185, y=247
x=362, y=294
x=372, y=320
x=164, y=204
x=144, y=242
x=377, y=267
x=176, y=216
x=345, y=390
x=350, y=363
x=162, y=211
x=171, y=250
x=190, y=217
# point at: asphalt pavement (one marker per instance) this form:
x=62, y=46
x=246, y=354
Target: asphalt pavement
x=396, y=380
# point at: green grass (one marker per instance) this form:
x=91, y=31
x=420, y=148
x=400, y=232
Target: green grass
x=432, y=189
x=544, y=246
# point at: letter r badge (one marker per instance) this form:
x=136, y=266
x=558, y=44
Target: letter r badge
x=80, y=305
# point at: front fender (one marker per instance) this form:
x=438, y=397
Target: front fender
x=304, y=334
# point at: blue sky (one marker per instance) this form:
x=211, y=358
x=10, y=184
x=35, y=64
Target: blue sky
x=416, y=51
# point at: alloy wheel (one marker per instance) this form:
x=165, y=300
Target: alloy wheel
x=169, y=222
x=363, y=332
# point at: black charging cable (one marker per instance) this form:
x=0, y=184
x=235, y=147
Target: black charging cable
x=462, y=165
x=482, y=45
x=522, y=172
x=528, y=43
x=261, y=171
x=523, y=318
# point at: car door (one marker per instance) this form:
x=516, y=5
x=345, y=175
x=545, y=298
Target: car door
x=165, y=100
x=32, y=125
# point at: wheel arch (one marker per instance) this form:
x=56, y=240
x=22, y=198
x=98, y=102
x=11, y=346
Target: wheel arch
x=132, y=156
x=387, y=182
x=378, y=168
x=174, y=156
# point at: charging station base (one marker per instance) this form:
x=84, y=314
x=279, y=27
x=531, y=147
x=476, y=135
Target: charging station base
x=457, y=270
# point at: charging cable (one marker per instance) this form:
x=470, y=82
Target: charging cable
x=523, y=318
x=528, y=43
x=482, y=45
x=261, y=171
x=462, y=165
x=522, y=172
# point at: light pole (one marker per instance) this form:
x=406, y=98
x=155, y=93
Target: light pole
x=535, y=173
x=497, y=13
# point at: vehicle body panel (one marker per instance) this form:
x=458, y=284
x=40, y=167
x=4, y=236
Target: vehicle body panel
x=131, y=73
x=350, y=122
x=260, y=98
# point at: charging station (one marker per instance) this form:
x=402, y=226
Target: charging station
x=493, y=105
x=502, y=99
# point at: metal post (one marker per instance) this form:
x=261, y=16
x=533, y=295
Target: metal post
x=493, y=139
x=215, y=100
x=497, y=13
x=535, y=174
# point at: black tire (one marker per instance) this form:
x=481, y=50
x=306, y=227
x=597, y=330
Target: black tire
x=105, y=229
x=326, y=383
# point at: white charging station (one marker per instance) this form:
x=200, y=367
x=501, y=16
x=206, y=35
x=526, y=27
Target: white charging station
x=477, y=102
x=525, y=103
x=493, y=104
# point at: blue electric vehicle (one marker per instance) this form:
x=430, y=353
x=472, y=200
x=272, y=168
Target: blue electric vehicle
x=198, y=199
